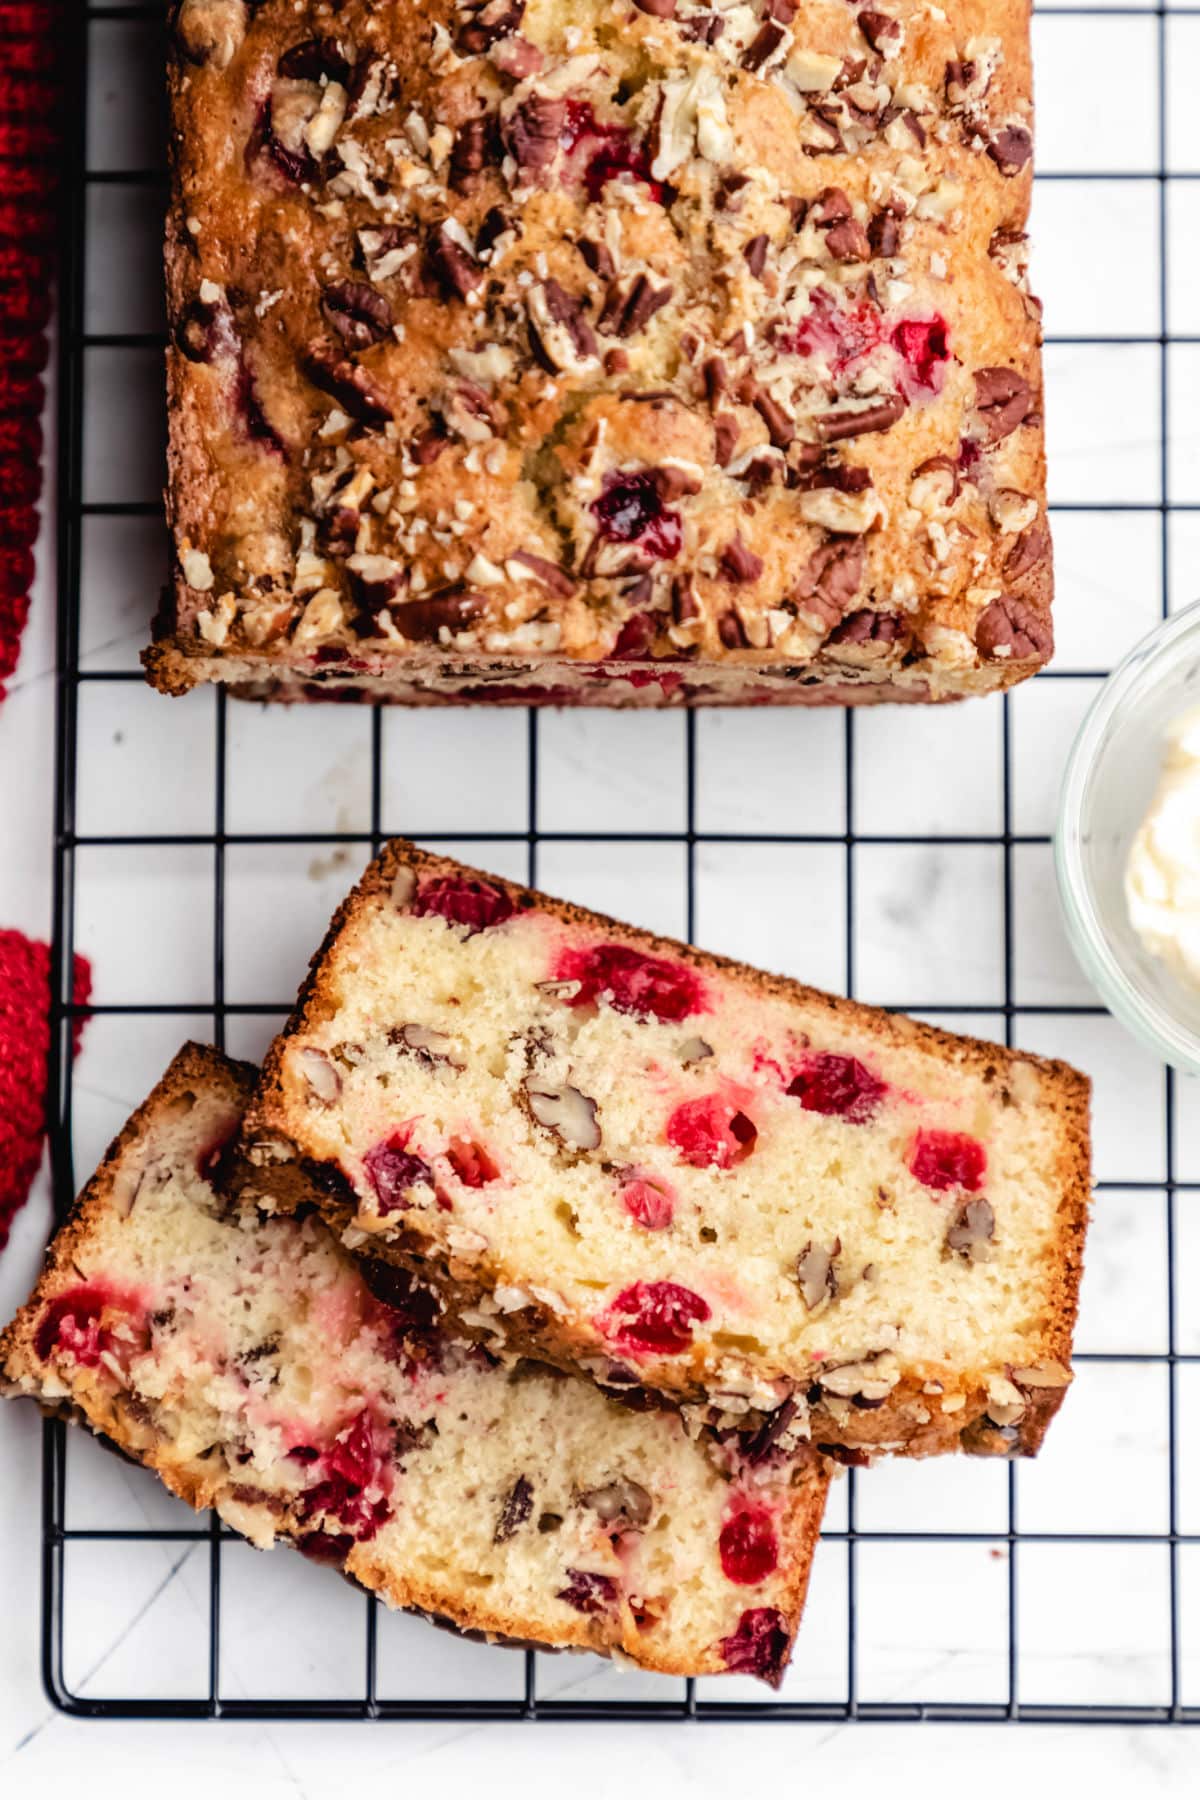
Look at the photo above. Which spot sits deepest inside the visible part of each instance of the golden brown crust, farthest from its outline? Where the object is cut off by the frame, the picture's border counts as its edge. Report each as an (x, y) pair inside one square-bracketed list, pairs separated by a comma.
[(905, 1416), (728, 331)]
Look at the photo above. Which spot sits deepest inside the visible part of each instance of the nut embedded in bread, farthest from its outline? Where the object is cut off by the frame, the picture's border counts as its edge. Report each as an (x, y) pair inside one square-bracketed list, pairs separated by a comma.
[(258, 1369), (621, 353), (676, 1172)]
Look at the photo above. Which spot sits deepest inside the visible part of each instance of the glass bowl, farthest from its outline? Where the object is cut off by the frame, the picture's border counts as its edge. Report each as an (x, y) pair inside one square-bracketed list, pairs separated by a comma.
[(1111, 777)]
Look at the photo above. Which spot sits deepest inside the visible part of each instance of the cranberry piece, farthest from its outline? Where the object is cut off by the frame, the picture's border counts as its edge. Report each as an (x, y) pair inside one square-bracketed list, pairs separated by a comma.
[(655, 1317), (72, 1326), (607, 152), (257, 426), (351, 1490), (838, 1085), (475, 904), (631, 982), (588, 1592), (948, 1159), (924, 346), (649, 1201), (471, 1163), (392, 1170), (842, 334), (749, 1547), (635, 636), (759, 1646), (630, 510), (711, 1133)]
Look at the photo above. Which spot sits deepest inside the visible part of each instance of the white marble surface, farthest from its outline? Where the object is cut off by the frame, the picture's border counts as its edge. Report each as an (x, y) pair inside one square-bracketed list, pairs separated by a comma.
[(1093, 1616)]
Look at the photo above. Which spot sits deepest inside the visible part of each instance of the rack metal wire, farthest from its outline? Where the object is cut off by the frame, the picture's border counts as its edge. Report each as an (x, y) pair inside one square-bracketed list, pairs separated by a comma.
[(75, 508)]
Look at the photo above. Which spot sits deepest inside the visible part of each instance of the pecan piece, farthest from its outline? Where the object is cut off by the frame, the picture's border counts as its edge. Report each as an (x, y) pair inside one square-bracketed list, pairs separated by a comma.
[(755, 253), (1003, 399), (972, 1231), (532, 132), (211, 31), (1030, 549), (472, 150), (559, 334), (454, 266), (346, 382), (848, 242), (556, 580), (657, 9), (770, 36), (1011, 148), (487, 24), (732, 632), (359, 315), (725, 436), (626, 311), (738, 563), (867, 627), (833, 577), (515, 1509), (455, 608), (881, 31), (780, 427), (849, 422), (1010, 630)]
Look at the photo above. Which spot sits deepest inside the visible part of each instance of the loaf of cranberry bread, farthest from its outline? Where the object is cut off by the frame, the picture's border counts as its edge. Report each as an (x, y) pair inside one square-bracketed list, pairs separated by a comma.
[(258, 1369), (626, 352), (675, 1172)]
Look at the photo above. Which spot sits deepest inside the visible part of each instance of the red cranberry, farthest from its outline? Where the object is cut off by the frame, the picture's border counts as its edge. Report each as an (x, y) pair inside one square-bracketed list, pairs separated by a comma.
[(749, 1547), (608, 151), (839, 1085), (71, 1325), (648, 986), (392, 1170), (649, 1201), (630, 510), (355, 1478), (759, 1646), (711, 1133), (924, 346), (655, 1317), (475, 904), (842, 334), (588, 1592), (948, 1159), (471, 1163), (635, 636), (257, 426)]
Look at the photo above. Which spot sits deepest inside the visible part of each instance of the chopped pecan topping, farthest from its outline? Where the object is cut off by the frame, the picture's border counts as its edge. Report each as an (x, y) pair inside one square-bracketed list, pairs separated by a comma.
[(755, 253), (856, 421), (716, 379), (833, 576), (763, 47), (1010, 630), (559, 333), (971, 1233), (486, 24), (1030, 549), (739, 563), (349, 385), (883, 232), (684, 605), (881, 31), (780, 427), (867, 627), (454, 266), (848, 242), (313, 58), (358, 313), (532, 132), (554, 579), (598, 258), (1011, 149), (472, 150), (627, 311), (658, 9), (726, 432), (1003, 399), (732, 632), (455, 608)]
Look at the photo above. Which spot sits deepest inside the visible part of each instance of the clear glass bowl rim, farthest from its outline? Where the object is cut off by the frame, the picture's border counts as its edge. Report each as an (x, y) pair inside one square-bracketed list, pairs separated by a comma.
[(1141, 1013)]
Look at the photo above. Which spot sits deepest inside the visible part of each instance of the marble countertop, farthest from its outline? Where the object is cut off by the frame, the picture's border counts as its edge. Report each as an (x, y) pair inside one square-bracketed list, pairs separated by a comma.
[(1093, 1614)]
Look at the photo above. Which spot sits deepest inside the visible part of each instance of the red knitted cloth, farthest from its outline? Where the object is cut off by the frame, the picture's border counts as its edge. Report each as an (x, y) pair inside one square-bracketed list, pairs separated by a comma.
[(29, 139), (24, 1052)]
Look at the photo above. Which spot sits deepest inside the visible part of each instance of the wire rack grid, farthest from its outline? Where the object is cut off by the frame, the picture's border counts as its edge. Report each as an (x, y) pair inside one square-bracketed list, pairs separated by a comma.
[(868, 853)]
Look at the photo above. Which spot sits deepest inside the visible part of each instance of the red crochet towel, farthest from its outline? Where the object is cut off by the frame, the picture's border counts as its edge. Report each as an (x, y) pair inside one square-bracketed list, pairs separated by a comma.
[(29, 143), (24, 1055)]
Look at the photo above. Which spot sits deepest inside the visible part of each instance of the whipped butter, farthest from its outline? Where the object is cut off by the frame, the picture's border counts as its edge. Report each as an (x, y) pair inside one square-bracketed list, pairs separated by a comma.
[(1162, 875)]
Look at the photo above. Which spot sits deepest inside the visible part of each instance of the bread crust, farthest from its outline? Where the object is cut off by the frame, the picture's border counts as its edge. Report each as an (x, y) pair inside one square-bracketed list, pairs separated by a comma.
[(223, 1086), (271, 1134), (307, 357)]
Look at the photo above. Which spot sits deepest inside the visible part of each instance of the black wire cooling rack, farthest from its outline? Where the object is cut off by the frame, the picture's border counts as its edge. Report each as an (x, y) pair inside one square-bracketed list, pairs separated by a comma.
[(82, 262)]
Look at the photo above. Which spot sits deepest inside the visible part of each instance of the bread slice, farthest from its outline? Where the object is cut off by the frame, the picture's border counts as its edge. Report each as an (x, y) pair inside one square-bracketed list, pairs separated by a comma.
[(671, 1171), (258, 1369)]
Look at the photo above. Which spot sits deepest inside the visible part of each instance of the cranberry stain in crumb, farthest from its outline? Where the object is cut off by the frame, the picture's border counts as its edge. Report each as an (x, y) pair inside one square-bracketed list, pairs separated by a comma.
[(630, 510), (649, 1200), (654, 1318), (608, 151), (759, 1646), (948, 1159), (631, 982), (711, 1133), (394, 1171), (89, 1323)]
